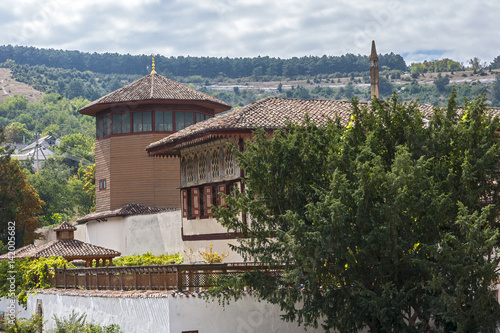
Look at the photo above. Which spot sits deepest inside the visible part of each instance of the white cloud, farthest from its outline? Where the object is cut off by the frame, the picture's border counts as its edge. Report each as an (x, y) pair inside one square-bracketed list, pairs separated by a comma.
[(419, 30)]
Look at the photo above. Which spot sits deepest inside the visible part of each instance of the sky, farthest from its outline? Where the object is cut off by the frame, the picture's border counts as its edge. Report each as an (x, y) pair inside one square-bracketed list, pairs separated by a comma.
[(417, 30)]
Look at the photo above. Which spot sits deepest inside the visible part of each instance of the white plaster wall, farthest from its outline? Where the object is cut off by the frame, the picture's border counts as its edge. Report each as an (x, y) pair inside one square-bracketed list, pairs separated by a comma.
[(48, 235), (155, 233), (81, 232), (169, 314), (132, 314), (109, 234), (5, 306), (243, 316), (202, 226)]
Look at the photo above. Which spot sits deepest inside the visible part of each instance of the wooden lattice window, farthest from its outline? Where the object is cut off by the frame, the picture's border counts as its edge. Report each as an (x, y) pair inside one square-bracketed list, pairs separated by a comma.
[(208, 200), (184, 194), (195, 202), (214, 164), (228, 162), (195, 169), (202, 168), (221, 189)]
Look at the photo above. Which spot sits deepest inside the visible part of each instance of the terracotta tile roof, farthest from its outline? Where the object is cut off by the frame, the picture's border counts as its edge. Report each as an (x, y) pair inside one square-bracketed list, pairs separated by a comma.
[(127, 210), (64, 226), (66, 248), (151, 88), (269, 113)]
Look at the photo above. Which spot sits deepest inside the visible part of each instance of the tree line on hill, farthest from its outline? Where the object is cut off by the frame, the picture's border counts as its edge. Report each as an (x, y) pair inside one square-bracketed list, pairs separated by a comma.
[(208, 67)]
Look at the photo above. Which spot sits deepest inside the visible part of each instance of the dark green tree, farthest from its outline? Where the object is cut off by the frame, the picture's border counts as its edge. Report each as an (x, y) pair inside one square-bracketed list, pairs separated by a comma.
[(380, 224)]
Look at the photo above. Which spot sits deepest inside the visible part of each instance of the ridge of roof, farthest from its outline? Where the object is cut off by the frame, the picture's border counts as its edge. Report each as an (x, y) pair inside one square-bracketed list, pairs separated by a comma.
[(153, 87), (125, 210)]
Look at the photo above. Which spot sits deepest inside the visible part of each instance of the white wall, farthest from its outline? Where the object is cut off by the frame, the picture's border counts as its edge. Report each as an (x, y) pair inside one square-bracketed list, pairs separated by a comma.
[(156, 233), (167, 314)]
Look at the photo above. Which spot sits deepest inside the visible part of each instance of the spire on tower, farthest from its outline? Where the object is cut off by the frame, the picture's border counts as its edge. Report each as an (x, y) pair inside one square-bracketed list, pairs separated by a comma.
[(374, 77), (153, 59)]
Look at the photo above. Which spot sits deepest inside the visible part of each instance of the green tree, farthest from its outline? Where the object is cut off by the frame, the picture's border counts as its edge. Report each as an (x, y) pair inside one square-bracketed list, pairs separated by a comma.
[(19, 201), (18, 132), (442, 82), (495, 91), (378, 224)]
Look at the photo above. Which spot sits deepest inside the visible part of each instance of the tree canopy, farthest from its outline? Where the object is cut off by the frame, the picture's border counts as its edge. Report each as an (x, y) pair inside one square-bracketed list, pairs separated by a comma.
[(387, 222)]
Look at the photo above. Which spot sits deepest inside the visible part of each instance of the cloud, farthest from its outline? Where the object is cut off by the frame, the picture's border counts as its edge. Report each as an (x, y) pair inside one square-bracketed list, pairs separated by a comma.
[(241, 28)]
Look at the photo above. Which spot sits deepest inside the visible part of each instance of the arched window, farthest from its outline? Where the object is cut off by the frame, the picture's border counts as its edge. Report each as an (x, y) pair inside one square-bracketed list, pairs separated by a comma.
[(202, 167), (183, 171), (228, 162), (215, 167), (190, 170), (195, 169)]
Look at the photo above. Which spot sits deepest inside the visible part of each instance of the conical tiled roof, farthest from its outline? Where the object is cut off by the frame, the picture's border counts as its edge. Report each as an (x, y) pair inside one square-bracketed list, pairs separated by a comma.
[(154, 88)]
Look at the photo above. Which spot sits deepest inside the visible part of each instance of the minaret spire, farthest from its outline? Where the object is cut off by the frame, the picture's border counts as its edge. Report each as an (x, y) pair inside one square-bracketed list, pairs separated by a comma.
[(374, 76), (153, 59)]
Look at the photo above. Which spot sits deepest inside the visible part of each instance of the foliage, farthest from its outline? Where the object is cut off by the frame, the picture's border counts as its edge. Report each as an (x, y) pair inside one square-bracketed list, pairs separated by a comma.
[(206, 67), (23, 325), (378, 224), (30, 275), (209, 257), (148, 259), (20, 201), (88, 178), (76, 323)]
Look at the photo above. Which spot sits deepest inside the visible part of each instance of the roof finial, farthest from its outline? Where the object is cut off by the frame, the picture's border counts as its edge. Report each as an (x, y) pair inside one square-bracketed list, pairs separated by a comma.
[(153, 57)]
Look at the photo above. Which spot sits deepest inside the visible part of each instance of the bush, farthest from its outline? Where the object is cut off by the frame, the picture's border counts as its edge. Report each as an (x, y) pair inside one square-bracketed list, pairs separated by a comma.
[(149, 259), (23, 325), (30, 275), (75, 323)]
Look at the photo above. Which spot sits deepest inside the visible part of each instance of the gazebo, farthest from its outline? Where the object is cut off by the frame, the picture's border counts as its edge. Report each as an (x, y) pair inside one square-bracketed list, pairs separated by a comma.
[(67, 247)]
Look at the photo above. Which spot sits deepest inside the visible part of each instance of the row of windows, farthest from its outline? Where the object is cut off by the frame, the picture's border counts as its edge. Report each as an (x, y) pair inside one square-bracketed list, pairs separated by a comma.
[(197, 202), (208, 166), (136, 122)]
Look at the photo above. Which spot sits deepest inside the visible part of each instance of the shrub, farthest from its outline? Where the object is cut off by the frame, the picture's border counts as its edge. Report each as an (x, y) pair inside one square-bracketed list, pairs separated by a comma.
[(149, 259), (23, 325), (75, 323), (30, 275)]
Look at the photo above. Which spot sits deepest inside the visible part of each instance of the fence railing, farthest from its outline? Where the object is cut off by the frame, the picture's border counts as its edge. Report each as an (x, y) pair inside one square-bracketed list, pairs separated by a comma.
[(158, 277)]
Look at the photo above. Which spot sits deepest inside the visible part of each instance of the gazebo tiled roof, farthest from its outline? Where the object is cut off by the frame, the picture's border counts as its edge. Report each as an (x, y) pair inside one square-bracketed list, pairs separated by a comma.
[(154, 89), (126, 210), (65, 246), (64, 226)]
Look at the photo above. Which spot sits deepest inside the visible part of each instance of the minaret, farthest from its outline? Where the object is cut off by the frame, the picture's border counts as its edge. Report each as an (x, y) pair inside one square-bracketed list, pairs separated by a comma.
[(374, 78)]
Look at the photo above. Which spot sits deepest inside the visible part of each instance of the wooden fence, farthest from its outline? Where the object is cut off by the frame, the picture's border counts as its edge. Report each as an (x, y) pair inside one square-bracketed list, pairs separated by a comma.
[(158, 277)]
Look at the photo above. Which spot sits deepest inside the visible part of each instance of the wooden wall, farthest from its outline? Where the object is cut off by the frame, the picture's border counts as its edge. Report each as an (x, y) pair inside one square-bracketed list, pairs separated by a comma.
[(133, 176), (102, 171)]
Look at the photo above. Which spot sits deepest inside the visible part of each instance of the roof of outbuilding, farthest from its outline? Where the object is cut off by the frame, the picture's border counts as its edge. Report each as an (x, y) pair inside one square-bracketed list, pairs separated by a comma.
[(127, 210), (65, 248), (269, 114), (154, 88)]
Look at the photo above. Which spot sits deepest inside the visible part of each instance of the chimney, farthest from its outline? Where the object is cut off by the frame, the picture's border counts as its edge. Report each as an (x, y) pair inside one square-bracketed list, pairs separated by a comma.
[(374, 77)]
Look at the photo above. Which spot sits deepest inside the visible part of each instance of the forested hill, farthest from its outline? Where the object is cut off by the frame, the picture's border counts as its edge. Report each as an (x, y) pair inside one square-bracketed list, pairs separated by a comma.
[(207, 67)]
